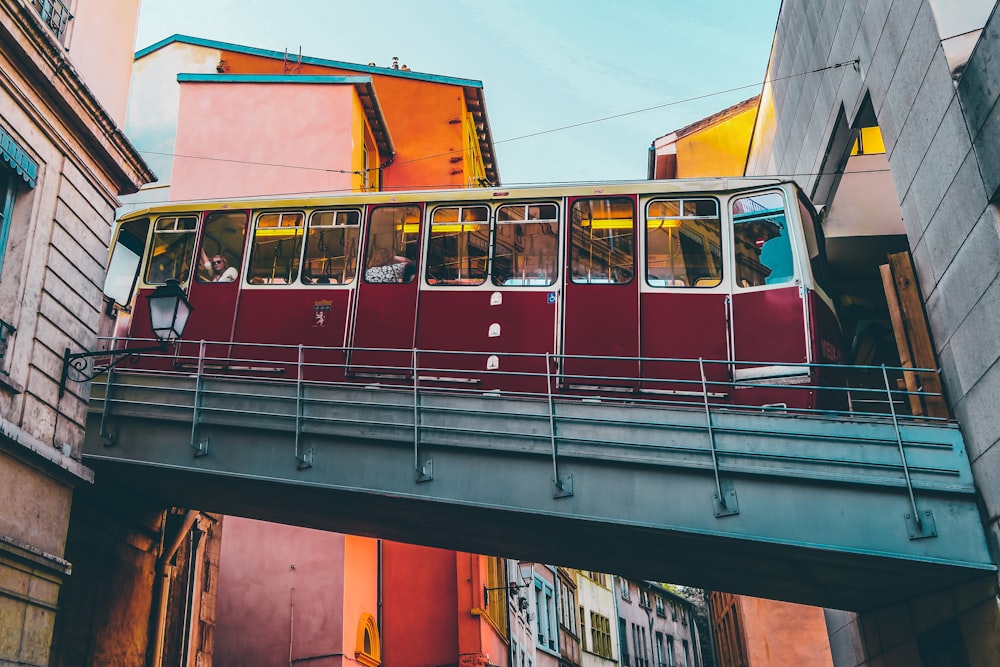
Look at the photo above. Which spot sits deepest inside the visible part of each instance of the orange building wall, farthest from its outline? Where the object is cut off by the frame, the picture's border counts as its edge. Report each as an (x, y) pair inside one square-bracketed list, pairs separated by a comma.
[(272, 138), (717, 150), (360, 582), (419, 606), (782, 634), (424, 119)]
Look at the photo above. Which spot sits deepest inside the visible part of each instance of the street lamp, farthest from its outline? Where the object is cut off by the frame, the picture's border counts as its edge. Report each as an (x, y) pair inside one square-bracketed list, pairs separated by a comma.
[(169, 311)]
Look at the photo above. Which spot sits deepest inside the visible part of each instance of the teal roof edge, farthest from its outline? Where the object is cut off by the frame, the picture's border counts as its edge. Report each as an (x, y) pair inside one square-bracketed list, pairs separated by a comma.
[(270, 78), (278, 55)]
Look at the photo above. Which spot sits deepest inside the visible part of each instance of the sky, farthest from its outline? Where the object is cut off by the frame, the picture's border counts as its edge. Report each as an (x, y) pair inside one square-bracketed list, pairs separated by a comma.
[(551, 69)]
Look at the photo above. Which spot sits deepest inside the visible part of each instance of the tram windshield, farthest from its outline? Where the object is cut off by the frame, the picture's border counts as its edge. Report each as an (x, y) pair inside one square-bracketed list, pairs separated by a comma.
[(762, 244)]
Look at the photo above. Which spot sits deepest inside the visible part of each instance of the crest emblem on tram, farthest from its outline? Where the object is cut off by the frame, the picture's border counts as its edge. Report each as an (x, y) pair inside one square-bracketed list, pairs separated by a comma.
[(321, 311)]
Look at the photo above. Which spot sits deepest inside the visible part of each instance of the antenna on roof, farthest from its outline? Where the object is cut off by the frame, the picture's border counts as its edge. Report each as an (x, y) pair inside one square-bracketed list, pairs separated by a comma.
[(293, 66)]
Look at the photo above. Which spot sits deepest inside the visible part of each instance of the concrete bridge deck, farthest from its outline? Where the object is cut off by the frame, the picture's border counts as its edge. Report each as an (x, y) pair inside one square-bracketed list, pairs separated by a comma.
[(813, 509)]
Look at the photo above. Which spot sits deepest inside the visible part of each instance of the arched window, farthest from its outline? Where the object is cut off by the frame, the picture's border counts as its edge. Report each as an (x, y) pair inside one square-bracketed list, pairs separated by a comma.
[(369, 649)]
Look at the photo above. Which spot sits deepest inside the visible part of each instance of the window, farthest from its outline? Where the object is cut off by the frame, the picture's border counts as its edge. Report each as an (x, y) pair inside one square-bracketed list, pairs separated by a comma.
[(368, 650), (277, 244), (393, 239), (123, 268), (623, 587), (458, 245), (762, 246), (526, 247), (600, 636), (567, 607), (602, 237), (545, 615), (670, 652), (686, 654), (673, 610), (659, 650), (683, 243), (56, 16), (222, 247), (644, 599), (869, 142), (15, 167), (173, 243), (583, 628), (332, 247), (496, 607), (597, 577), (623, 641), (660, 611)]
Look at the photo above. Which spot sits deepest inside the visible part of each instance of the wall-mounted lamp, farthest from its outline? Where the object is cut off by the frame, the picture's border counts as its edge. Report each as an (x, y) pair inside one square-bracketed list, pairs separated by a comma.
[(169, 311), (525, 569)]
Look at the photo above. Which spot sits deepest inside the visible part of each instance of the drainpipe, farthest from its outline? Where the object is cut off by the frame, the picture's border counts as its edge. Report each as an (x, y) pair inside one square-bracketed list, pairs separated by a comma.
[(378, 593), (192, 568), (161, 588)]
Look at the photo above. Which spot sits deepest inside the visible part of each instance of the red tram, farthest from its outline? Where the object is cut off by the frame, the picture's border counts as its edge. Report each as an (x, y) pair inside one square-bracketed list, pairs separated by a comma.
[(613, 288)]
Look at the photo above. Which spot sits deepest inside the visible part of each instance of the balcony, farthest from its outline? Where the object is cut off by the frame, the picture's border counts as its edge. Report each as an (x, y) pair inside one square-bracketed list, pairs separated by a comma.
[(56, 15)]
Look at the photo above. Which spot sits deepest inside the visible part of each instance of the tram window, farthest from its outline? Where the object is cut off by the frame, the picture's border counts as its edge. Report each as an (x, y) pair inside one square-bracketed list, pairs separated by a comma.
[(332, 247), (683, 243), (277, 242), (393, 240), (603, 241), (526, 245), (173, 243), (123, 269), (458, 245), (815, 244), (761, 242), (222, 247)]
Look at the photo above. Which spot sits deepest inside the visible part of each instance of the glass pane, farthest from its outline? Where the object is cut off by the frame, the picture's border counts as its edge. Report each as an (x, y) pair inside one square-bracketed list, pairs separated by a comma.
[(526, 253), (332, 247), (683, 250), (458, 246), (123, 268), (762, 246), (393, 242), (603, 241), (222, 247), (277, 243), (173, 245)]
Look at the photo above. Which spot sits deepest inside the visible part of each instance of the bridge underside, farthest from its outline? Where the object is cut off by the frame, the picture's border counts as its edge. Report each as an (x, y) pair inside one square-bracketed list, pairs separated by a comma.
[(817, 510)]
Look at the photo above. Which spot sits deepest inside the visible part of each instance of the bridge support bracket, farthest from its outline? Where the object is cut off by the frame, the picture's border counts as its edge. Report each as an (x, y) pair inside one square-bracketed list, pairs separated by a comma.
[(922, 528), (726, 505), (200, 447), (425, 473), (563, 488), (304, 459)]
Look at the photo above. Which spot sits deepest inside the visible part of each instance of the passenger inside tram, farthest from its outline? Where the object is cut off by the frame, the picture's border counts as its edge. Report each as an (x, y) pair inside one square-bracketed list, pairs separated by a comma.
[(384, 267)]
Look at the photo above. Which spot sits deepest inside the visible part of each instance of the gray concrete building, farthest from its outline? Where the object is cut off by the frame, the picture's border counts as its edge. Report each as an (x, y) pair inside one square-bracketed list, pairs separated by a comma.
[(924, 72)]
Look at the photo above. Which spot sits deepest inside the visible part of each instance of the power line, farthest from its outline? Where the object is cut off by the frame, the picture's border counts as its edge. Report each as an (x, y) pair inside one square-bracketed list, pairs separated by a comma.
[(523, 136)]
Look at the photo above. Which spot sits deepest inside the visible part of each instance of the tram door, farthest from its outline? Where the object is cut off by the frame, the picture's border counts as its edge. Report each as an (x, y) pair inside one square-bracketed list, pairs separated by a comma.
[(768, 318), (600, 337), (684, 301), (214, 288), (386, 309)]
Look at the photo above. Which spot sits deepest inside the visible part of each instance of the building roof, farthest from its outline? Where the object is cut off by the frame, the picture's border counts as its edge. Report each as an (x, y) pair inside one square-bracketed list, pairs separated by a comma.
[(362, 84), (474, 96), (708, 121)]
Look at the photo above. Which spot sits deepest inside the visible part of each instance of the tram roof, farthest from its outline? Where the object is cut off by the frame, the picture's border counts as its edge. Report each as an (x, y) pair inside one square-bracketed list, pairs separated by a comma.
[(516, 193)]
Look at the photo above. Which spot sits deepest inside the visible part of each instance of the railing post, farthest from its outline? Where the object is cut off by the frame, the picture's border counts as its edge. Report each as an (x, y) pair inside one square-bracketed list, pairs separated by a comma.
[(424, 469), (724, 502), (918, 525), (108, 439), (562, 488), (304, 458), (200, 446)]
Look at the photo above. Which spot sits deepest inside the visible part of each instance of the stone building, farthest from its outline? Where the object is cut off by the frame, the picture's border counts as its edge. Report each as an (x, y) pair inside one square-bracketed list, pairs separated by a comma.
[(64, 163)]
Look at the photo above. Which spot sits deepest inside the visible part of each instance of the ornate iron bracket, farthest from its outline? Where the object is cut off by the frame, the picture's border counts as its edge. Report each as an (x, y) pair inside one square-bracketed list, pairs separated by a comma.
[(78, 363)]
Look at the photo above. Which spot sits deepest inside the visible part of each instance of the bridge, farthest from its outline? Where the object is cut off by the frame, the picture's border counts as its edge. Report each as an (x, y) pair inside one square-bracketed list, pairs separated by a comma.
[(845, 510)]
